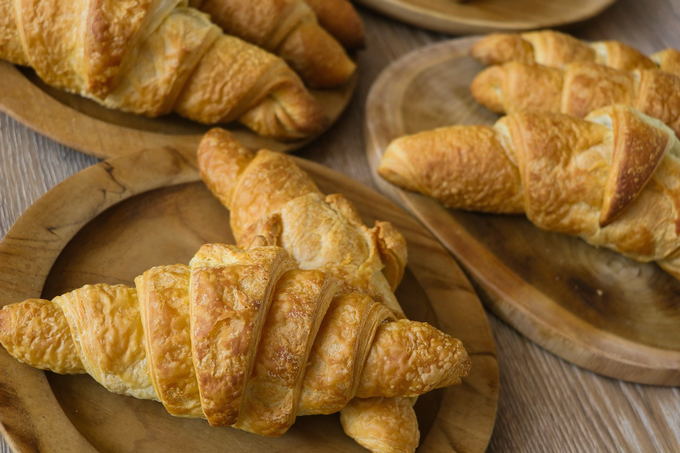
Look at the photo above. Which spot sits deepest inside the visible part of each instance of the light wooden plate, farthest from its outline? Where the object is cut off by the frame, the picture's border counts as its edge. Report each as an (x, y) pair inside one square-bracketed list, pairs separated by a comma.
[(93, 129), (483, 16), (112, 221), (590, 306)]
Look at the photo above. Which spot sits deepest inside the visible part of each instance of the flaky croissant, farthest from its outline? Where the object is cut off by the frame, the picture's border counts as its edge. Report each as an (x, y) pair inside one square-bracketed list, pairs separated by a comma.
[(240, 338), (154, 57), (578, 89), (270, 197), (288, 28), (555, 49), (341, 20), (611, 179)]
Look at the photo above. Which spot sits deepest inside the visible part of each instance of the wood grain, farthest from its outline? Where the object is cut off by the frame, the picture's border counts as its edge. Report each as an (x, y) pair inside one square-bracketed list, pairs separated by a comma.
[(547, 404), (93, 129), (595, 308), (483, 16), (116, 219)]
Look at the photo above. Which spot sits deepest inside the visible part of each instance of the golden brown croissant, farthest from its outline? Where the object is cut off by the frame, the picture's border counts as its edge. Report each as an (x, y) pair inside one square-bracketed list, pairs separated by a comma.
[(341, 20), (154, 57), (578, 89), (611, 179), (288, 28), (270, 197), (555, 49), (240, 338)]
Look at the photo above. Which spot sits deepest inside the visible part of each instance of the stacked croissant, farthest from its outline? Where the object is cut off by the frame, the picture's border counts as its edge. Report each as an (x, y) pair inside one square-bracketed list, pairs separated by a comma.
[(154, 57), (300, 318), (589, 147)]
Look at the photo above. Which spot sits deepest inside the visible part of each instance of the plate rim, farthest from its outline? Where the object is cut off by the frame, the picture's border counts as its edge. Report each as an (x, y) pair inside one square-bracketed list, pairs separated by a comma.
[(148, 170), (649, 364), (435, 21)]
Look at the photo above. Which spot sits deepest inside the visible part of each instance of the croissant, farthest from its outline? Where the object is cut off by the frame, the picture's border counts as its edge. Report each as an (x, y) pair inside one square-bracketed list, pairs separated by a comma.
[(555, 49), (155, 57), (288, 28), (240, 337), (578, 89), (341, 20), (611, 178), (272, 199)]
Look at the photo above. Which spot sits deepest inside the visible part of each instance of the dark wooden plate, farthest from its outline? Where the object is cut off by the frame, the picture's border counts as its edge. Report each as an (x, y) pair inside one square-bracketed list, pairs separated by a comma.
[(112, 221), (93, 129), (590, 306)]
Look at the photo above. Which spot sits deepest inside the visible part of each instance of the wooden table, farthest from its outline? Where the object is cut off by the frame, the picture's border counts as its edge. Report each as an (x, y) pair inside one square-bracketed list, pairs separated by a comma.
[(546, 403)]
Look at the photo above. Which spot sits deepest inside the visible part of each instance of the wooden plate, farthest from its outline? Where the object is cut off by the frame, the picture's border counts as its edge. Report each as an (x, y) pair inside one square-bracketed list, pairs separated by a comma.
[(93, 129), (590, 306), (112, 221), (483, 16)]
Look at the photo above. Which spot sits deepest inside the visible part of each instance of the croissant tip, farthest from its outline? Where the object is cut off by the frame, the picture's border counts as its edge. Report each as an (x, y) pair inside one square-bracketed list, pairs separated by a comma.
[(5, 328)]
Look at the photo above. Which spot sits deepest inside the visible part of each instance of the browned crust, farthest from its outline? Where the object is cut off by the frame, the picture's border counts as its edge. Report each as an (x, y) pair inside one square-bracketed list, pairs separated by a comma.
[(393, 252), (112, 26), (221, 160), (272, 393), (228, 304), (341, 20), (338, 354), (557, 49), (659, 96), (624, 57), (668, 60), (163, 294), (502, 47), (382, 424), (637, 152), (590, 86), (288, 28), (437, 163)]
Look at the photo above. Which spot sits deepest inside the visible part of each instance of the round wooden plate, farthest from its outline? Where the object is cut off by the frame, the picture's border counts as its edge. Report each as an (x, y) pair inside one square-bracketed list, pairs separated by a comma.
[(112, 221), (484, 16), (590, 306), (93, 129)]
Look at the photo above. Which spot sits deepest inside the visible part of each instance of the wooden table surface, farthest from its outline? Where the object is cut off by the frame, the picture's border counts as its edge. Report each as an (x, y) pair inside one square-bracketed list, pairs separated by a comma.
[(546, 404)]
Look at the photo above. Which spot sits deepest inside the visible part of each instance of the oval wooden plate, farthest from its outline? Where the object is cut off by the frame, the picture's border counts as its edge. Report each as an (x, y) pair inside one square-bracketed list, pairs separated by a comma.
[(112, 221), (93, 129), (590, 306), (483, 16)]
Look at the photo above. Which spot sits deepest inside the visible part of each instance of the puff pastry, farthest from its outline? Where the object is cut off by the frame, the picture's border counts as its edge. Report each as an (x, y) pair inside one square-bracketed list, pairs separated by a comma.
[(288, 28), (555, 49), (239, 337), (154, 57), (611, 178), (272, 199), (578, 89)]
